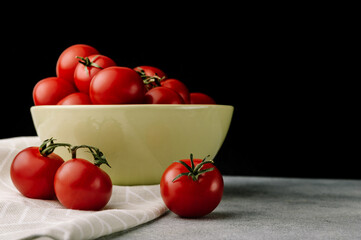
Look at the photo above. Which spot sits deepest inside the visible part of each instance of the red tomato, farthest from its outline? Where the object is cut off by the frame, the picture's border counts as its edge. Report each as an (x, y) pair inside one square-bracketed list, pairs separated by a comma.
[(163, 95), (201, 98), (33, 174), (191, 197), (50, 91), (151, 76), (67, 60), (79, 184), (116, 85), (150, 71), (177, 86), (87, 68), (77, 98)]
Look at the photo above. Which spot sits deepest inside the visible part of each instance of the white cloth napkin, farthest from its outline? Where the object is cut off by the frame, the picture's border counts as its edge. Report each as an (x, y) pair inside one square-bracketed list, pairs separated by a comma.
[(22, 217)]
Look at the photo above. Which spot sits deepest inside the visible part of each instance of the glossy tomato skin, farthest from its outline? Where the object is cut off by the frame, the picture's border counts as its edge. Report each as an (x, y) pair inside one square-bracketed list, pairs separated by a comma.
[(151, 71), (117, 85), (77, 98), (84, 74), (67, 60), (201, 98), (177, 86), (81, 185), (51, 90), (188, 198), (33, 174), (162, 95)]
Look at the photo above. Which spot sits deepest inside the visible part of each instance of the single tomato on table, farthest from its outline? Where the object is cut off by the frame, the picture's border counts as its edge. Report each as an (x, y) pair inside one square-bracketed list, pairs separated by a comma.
[(192, 187), (80, 184), (33, 169)]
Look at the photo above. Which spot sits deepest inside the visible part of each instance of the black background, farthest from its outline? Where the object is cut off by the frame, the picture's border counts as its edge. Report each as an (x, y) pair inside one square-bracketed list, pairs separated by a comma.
[(295, 105)]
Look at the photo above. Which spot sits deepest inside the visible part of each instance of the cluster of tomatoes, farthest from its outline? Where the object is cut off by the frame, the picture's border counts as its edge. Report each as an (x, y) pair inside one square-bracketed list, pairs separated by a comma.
[(84, 76), (37, 172), (189, 187)]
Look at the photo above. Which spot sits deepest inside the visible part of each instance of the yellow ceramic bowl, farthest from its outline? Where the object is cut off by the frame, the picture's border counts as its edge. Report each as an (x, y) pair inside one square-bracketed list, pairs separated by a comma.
[(139, 141)]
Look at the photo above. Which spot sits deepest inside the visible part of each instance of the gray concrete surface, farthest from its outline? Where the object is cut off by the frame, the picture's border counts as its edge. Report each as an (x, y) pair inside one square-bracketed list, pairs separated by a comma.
[(268, 208)]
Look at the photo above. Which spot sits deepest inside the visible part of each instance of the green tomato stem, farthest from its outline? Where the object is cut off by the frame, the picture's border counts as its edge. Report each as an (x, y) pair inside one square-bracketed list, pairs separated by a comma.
[(98, 156), (149, 81), (194, 171), (48, 147), (87, 63)]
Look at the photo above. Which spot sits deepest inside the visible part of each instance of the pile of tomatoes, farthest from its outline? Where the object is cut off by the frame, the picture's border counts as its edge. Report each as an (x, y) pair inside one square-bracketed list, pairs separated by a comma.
[(84, 76)]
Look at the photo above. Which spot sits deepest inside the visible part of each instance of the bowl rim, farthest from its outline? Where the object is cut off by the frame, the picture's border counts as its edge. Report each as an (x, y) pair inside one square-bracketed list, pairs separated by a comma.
[(120, 106)]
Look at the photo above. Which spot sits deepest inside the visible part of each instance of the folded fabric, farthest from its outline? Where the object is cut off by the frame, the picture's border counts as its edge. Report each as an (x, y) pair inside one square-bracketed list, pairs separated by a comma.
[(22, 217)]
